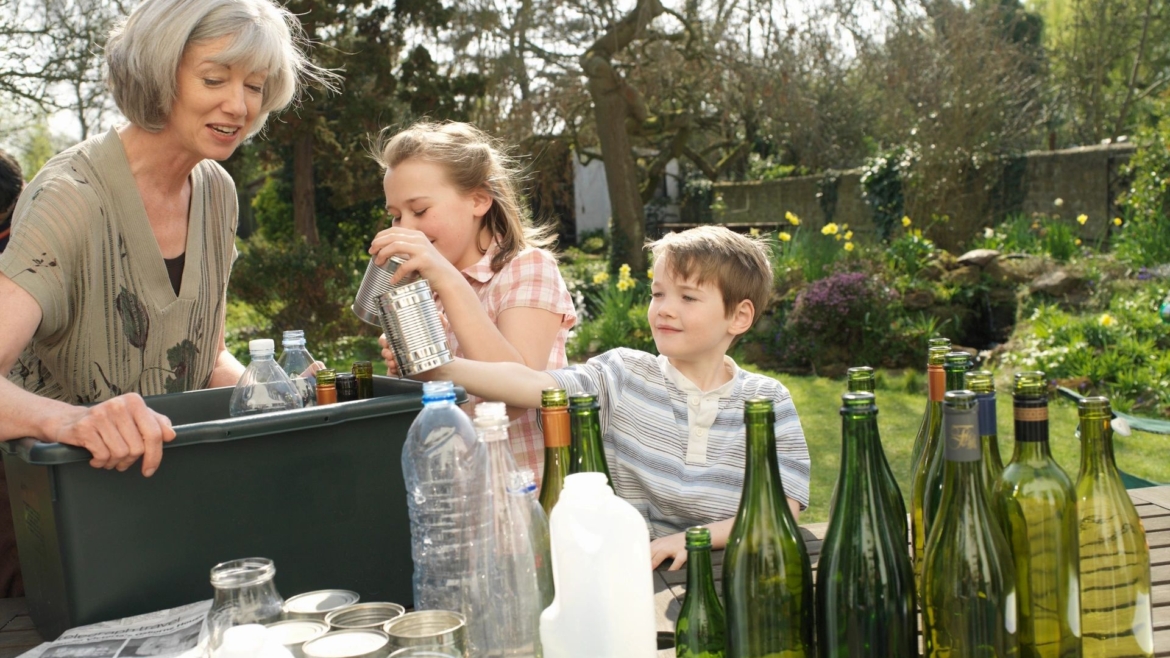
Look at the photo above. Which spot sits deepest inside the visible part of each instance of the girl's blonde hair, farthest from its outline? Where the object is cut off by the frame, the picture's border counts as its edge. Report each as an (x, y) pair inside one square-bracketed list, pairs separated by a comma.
[(473, 162)]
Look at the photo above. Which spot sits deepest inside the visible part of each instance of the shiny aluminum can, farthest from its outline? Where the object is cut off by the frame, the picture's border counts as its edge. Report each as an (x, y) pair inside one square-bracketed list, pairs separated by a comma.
[(363, 643), (293, 633), (430, 629), (413, 328), (426, 652), (375, 282), (364, 615), (315, 605)]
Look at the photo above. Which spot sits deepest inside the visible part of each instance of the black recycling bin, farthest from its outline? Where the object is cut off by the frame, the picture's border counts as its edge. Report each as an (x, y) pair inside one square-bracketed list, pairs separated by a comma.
[(318, 490)]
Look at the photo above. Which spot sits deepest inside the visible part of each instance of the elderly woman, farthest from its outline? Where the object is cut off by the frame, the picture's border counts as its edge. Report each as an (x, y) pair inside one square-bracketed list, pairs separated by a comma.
[(113, 284)]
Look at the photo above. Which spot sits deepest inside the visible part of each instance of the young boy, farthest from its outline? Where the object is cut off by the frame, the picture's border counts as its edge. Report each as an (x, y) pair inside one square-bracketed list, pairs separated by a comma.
[(673, 424)]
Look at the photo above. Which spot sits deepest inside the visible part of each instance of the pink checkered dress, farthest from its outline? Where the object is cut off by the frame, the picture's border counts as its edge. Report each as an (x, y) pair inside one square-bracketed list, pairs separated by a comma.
[(532, 280)]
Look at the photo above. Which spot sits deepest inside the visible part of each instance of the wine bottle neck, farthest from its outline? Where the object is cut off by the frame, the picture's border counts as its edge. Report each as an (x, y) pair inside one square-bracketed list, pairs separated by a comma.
[(859, 434), (936, 382), (762, 473), (557, 430), (699, 572), (1096, 445), (1030, 419)]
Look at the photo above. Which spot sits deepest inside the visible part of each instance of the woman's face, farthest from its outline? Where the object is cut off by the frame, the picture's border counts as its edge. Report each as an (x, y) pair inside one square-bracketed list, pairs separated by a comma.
[(216, 104)]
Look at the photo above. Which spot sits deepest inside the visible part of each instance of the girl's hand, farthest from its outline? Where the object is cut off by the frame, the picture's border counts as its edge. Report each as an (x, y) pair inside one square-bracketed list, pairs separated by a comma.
[(422, 256), (388, 357), (671, 546)]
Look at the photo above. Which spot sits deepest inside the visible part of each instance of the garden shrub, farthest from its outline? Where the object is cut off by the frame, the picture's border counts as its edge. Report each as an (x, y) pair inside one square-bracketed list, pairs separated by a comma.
[(843, 319), (883, 189), (617, 319), (295, 285)]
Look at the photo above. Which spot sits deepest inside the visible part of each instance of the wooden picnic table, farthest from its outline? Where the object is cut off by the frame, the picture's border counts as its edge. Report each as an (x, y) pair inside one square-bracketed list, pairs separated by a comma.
[(17, 634)]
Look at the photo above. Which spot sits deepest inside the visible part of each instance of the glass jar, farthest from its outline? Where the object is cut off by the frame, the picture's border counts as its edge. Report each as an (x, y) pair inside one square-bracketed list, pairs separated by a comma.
[(245, 593)]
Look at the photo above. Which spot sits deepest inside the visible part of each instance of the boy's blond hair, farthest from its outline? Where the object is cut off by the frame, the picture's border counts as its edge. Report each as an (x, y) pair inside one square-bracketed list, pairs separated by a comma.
[(737, 264)]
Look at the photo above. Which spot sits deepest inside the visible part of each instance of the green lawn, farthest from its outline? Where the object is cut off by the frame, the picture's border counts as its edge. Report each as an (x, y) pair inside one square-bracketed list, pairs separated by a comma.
[(818, 400)]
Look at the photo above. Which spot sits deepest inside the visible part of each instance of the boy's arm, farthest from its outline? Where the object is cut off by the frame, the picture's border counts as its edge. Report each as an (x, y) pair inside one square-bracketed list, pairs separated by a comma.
[(675, 546), (514, 384)]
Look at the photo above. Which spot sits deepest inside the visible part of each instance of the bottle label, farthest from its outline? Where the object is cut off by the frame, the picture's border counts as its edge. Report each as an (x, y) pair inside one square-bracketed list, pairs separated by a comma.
[(937, 382), (556, 428), (1031, 418), (987, 416), (961, 429)]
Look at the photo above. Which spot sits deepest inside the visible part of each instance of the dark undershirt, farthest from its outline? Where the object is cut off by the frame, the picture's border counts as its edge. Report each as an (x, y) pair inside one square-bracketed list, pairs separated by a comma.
[(175, 270)]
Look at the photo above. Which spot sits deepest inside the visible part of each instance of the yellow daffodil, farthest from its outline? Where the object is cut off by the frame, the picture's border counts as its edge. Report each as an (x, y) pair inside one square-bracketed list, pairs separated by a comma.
[(792, 219), (1081, 219), (754, 232), (624, 271), (601, 277), (848, 235), (1117, 221), (1106, 320), (838, 236), (650, 273), (1078, 242), (906, 221), (848, 246), (625, 284), (829, 229), (783, 236)]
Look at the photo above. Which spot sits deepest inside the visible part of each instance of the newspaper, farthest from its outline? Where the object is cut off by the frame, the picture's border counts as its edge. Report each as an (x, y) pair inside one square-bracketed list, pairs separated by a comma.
[(170, 633)]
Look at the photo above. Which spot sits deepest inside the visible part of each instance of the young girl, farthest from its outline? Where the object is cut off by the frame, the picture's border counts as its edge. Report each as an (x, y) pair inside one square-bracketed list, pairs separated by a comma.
[(459, 220)]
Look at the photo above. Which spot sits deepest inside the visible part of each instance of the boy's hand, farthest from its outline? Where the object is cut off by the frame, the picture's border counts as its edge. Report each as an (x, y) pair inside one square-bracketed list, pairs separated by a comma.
[(672, 546)]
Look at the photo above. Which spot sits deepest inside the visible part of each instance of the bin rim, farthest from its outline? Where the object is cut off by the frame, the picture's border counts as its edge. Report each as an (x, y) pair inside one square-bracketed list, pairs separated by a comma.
[(40, 453)]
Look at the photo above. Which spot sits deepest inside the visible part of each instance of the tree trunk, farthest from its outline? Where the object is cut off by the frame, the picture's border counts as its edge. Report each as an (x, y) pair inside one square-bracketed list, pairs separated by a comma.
[(611, 107), (304, 190)]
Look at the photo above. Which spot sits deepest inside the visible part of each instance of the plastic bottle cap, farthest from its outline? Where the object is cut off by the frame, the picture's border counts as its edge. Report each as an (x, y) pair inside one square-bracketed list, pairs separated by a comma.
[(487, 410), (261, 345)]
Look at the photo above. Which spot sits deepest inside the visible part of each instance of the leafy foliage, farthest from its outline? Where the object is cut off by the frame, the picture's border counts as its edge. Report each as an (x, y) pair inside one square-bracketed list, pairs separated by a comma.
[(1145, 239), (881, 184), (618, 318)]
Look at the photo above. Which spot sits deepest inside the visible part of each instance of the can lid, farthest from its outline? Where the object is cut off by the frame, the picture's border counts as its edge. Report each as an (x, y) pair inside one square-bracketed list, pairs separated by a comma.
[(261, 345), (320, 601), (297, 631), (345, 644)]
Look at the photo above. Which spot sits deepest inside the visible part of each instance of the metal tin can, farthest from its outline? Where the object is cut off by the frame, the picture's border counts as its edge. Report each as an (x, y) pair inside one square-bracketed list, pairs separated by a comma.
[(413, 329), (430, 629), (364, 615), (375, 282), (293, 633), (315, 605), (363, 643)]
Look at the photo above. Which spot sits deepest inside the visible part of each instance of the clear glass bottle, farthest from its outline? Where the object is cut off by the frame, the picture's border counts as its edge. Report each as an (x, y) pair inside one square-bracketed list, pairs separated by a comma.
[(767, 577), (263, 387), (505, 598), (701, 628), (1116, 616), (937, 349), (522, 483), (865, 581), (1038, 511), (554, 418), (968, 581), (299, 365), (983, 383), (438, 462), (245, 593)]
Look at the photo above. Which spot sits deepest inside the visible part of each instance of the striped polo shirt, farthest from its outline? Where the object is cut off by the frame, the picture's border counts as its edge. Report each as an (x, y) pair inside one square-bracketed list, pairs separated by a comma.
[(677, 453)]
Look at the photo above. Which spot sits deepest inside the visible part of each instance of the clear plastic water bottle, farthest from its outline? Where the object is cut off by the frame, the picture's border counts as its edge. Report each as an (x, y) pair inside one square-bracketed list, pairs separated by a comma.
[(505, 602), (438, 466), (263, 387), (299, 365), (523, 483)]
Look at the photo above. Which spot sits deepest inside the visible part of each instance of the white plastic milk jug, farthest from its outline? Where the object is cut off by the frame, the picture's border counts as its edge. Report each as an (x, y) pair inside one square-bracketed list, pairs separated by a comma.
[(604, 603)]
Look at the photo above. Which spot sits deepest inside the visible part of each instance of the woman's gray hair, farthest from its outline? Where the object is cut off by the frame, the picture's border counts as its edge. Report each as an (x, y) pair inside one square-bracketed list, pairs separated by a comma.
[(143, 53)]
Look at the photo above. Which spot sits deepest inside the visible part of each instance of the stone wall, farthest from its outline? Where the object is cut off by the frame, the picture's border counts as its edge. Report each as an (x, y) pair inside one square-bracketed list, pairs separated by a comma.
[(1085, 179)]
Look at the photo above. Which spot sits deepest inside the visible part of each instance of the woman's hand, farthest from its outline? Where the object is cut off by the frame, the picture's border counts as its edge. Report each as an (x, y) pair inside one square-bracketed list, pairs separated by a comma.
[(422, 257), (117, 432), (671, 546)]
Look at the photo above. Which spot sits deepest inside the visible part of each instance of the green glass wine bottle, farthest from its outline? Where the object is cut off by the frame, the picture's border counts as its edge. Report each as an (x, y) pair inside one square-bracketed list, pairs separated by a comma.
[(701, 628), (968, 582), (983, 383), (1037, 509), (937, 349), (554, 418), (1116, 618), (865, 581), (767, 578), (586, 452), (861, 380), (928, 472)]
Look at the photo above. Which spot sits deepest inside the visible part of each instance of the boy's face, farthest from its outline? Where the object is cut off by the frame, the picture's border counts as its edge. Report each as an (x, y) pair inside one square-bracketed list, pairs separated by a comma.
[(688, 320)]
